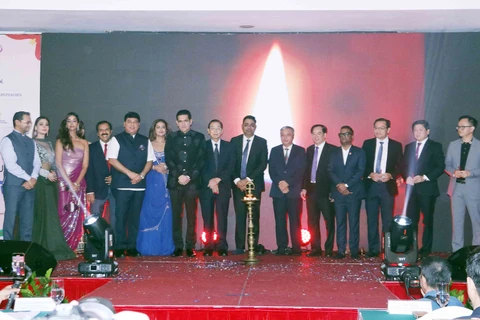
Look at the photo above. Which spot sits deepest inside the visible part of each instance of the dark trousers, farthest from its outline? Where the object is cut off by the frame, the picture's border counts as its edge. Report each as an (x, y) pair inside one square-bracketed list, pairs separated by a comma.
[(98, 207), (209, 202), (425, 204), (241, 218), (180, 196), (315, 207), (128, 205), (350, 206), (293, 207), (18, 201), (377, 199)]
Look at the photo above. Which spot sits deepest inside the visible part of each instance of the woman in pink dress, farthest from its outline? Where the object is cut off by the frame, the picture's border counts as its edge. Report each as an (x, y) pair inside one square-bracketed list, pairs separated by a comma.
[(71, 158)]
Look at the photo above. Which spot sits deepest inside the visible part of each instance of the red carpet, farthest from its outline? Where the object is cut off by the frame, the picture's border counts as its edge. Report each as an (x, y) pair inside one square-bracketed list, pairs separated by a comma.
[(278, 287)]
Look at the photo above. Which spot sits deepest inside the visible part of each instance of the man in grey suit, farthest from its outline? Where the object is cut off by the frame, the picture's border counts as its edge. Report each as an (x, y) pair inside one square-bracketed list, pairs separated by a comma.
[(463, 165), (22, 165)]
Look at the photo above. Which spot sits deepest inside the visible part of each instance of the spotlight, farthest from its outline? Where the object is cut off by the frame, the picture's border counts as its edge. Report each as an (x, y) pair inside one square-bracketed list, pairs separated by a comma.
[(306, 237), (98, 249), (401, 253), (204, 237)]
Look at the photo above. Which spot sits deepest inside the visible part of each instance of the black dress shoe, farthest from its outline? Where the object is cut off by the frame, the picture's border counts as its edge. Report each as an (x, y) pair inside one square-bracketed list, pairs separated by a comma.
[(280, 252), (259, 250), (177, 253), (339, 256), (119, 253), (191, 253), (328, 253), (371, 254), (295, 253), (206, 252), (222, 253), (355, 256), (133, 253), (315, 253)]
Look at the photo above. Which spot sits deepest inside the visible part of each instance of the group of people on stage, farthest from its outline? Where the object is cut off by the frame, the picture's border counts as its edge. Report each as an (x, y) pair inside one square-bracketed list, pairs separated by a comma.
[(148, 182)]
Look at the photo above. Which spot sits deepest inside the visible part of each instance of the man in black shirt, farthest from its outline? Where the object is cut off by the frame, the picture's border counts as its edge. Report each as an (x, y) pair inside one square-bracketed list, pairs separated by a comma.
[(185, 157)]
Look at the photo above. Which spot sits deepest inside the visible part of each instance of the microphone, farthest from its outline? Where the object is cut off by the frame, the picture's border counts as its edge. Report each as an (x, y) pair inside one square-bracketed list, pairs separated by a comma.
[(11, 298)]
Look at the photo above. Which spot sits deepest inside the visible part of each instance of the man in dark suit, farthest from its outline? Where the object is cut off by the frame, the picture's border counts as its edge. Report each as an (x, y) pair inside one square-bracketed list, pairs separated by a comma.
[(185, 158), (131, 156), (251, 161), (423, 163), (99, 176), (316, 191), (216, 187), (383, 161), (286, 167), (346, 168)]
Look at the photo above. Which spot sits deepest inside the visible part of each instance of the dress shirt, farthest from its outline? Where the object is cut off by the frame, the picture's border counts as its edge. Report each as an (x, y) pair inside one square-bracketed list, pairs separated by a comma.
[(216, 143), (383, 164), (345, 154), (421, 146), (420, 149), (244, 144), (112, 153), (10, 160), (319, 152)]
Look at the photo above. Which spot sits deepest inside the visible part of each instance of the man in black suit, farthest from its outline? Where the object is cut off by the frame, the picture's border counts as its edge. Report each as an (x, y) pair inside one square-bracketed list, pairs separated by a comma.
[(216, 187), (423, 163), (316, 191), (383, 161), (346, 168), (251, 161), (286, 167), (99, 176), (131, 156), (185, 158)]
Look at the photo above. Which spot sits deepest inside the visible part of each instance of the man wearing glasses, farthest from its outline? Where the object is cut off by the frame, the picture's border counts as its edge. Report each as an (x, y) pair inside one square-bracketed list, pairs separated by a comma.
[(22, 165), (383, 161), (463, 166), (346, 168)]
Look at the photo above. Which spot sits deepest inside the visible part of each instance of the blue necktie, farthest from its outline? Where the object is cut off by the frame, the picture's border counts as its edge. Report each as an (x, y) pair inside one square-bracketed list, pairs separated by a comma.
[(243, 168), (313, 174), (378, 164)]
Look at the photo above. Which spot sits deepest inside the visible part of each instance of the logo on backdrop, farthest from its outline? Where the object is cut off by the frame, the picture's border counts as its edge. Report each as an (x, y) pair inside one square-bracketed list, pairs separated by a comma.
[(1, 48)]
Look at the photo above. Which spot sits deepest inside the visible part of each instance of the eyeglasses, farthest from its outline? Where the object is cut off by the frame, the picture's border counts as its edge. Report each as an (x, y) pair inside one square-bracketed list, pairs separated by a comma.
[(345, 134), (462, 127)]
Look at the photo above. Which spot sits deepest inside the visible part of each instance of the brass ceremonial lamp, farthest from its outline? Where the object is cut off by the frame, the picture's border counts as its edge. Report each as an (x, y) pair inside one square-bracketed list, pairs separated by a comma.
[(250, 200)]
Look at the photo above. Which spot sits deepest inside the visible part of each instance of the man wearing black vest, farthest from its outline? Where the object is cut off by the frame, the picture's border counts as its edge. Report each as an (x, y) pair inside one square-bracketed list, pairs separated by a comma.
[(22, 165), (185, 152), (131, 156)]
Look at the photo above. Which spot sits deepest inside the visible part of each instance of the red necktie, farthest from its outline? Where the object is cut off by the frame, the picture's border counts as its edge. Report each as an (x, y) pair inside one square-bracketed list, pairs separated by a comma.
[(417, 151), (105, 155)]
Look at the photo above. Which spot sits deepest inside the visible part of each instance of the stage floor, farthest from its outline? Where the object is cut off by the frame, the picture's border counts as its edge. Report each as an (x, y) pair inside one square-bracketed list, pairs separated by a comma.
[(276, 281)]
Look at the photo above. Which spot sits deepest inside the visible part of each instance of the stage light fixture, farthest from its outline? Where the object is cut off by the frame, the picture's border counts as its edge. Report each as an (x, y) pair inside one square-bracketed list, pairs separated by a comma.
[(401, 253), (98, 249), (204, 237), (306, 237)]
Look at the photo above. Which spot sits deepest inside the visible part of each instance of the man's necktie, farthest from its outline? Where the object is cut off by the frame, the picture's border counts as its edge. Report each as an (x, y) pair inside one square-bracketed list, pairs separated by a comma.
[(286, 155), (105, 155), (378, 164), (313, 174), (243, 168), (417, 155), (215, 157)]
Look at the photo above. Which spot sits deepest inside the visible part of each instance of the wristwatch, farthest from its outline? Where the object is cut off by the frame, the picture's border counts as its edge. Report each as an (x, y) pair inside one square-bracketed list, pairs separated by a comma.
[(142, 176)]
